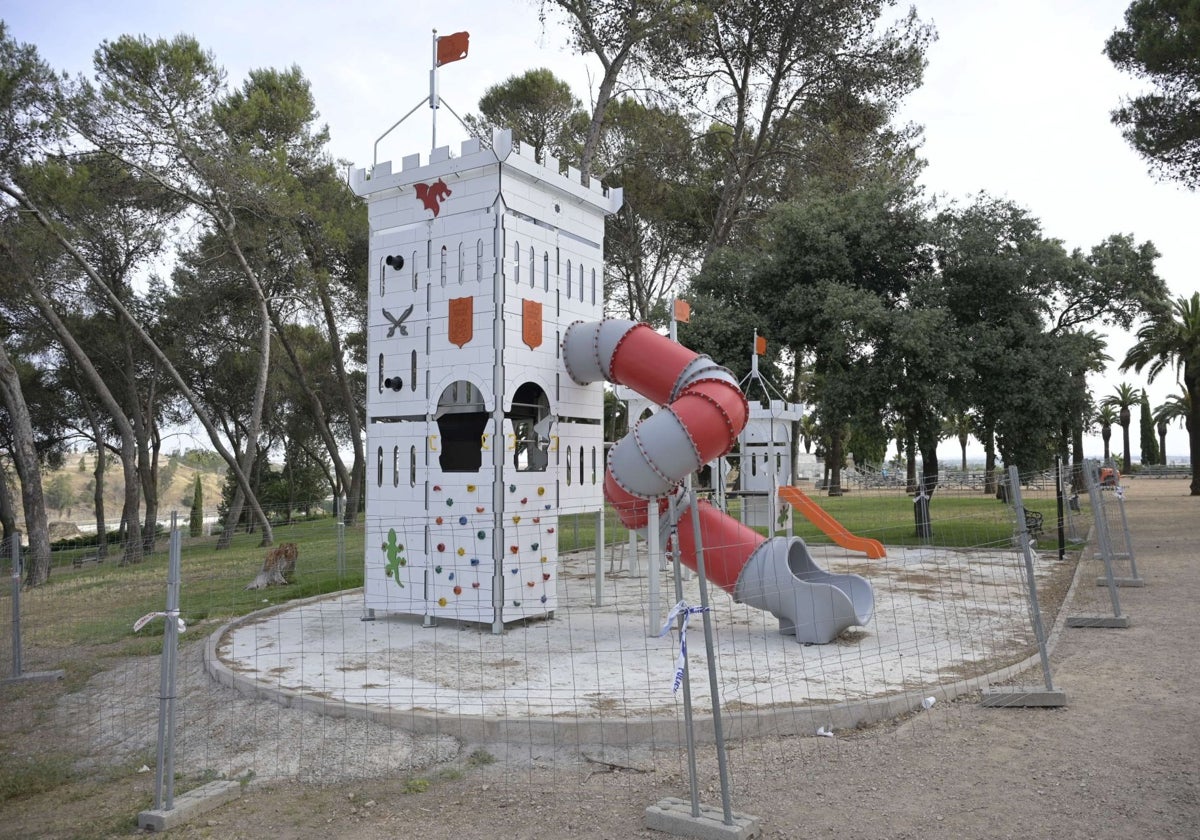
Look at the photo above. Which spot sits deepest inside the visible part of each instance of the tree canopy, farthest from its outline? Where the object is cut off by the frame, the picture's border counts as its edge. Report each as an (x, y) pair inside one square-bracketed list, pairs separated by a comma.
[(1160, 43)]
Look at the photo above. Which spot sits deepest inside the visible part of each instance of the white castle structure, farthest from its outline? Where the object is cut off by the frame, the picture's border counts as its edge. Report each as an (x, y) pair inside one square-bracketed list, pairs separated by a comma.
[(477, 438)]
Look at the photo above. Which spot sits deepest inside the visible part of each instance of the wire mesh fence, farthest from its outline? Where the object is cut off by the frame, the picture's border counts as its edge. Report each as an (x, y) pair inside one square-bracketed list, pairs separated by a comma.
[(305, 681)]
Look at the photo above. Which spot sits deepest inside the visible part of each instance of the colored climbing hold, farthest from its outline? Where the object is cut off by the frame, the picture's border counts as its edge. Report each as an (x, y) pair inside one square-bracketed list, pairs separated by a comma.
[(513, 549), (530, 584), (441, 546), (481, 535), (479, 509), (450, 576), (516, 519), (437, 488), (437, 569), (541, 491), (462, 520), (525, 500), (516, 603), (438, 520), (549, 530), (474, 561), (458, 590), (470, 488), (475, 585), (545, 576), (461, 551), (441, 602), (535, 546), (537, 519), (514, 570), (544, 559), (512, 488), (547, 507), (543, 599), (449, 503)]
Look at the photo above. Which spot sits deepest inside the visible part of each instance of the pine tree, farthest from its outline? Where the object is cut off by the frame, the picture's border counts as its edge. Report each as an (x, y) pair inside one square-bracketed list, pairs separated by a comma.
[(196, 522), (1149, 439)]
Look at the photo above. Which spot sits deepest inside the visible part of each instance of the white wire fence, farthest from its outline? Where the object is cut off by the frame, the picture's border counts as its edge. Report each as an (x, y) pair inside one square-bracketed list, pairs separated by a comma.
[(303, 681)]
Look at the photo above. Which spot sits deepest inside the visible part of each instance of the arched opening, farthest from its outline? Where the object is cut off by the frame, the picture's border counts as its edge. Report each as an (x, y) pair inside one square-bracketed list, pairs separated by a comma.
[(531, 422), (461, 418)]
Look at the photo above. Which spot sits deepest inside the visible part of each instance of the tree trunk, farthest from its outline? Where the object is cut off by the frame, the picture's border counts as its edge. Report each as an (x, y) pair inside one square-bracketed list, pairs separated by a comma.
[(252, 433), (1106, 436), (8, 516), (155, 350), (1161, 428), (989, 463), (150, 531), (836, 458), (358, 469), (1192, 421), (1127, 465), (132, 536), (25, 460), (910, 465), (97, 475)]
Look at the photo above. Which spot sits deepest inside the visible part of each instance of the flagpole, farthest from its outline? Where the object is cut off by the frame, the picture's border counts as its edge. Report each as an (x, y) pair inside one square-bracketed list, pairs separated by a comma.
[(434, 96)]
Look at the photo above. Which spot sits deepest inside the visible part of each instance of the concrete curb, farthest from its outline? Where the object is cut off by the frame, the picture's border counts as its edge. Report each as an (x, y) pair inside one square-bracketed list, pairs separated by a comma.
[(615, 732)]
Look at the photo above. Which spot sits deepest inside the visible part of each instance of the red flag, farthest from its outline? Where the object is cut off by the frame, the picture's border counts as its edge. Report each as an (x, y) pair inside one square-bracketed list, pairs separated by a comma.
[(452, 47), (760, 345)]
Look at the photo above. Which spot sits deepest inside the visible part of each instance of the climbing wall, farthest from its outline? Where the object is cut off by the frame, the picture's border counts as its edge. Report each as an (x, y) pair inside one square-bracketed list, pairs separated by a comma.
[(477, 438)]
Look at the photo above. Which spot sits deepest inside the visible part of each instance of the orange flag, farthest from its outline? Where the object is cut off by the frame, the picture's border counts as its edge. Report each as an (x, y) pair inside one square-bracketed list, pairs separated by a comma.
[(452, 47), (683, 310), (760, 345)]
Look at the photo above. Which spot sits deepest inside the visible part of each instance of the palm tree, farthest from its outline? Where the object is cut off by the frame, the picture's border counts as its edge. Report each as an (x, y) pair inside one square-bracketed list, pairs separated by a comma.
[(1123, 400), (958, 425), (809, 431), (1107, 418), (1175, 407), (1172, 339)]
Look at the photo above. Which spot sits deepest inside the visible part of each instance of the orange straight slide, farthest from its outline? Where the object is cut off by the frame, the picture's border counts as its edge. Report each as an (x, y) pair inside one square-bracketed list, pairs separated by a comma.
[(833, 529)]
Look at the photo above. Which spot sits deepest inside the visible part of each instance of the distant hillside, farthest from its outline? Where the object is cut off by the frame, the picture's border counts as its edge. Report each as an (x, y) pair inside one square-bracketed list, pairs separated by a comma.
[(69, 490)]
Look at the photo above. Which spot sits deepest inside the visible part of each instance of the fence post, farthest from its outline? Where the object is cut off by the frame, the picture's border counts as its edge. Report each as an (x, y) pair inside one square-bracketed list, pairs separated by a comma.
[(18, 666), (164, 770), (1100, 525), (675, 816), (1134, 579), (339, 506), (1048, 696), (16, 604), (169, 812)]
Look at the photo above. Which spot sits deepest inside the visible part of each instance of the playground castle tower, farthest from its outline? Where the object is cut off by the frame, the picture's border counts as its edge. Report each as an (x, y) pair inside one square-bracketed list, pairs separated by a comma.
[(476, 437)]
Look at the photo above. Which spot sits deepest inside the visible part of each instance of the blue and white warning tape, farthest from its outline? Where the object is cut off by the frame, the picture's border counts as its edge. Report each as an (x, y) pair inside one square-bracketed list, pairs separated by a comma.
[(687, 611)]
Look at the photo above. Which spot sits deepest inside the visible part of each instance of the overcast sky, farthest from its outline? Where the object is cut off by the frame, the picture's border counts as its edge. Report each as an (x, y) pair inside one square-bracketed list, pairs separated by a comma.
[(1015, 102)]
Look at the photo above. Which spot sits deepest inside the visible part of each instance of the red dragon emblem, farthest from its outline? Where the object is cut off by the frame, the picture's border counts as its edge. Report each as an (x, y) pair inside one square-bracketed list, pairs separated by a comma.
[(432, 195)]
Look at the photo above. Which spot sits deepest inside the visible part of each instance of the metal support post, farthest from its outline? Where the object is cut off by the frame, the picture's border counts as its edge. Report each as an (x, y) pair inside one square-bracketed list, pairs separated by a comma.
[(598, 600), (1048, 696), (1117, 619), (19, 674), (653, 565)]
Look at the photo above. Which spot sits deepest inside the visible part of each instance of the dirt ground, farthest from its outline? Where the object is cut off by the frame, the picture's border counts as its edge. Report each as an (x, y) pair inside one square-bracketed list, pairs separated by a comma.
[(1119, 761)]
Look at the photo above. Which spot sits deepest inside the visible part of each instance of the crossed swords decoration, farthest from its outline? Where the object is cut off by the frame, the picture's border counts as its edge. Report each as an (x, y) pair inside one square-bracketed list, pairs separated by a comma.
[(398, 323)]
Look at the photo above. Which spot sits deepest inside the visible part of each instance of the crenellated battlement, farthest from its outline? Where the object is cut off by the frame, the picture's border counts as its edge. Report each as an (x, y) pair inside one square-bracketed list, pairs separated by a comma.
[(472, 156)]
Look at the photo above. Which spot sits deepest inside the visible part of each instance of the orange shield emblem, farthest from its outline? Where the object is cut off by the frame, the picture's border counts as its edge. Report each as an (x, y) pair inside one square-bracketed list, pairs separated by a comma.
[(531, 323), (462, 320)]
